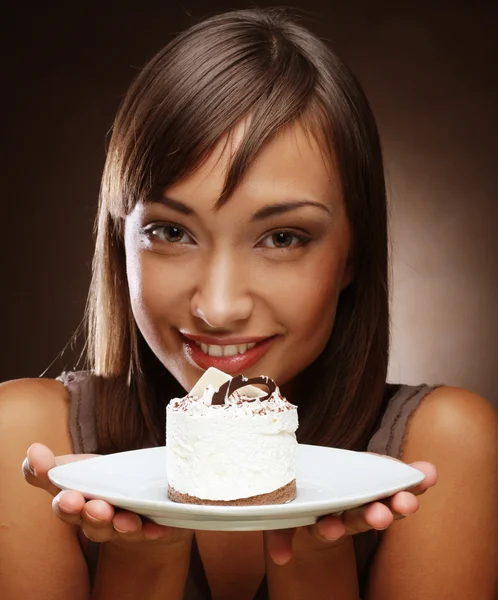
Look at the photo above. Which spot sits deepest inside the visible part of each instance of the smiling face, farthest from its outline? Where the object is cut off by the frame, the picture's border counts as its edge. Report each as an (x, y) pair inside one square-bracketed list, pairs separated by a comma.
[(250, 287)]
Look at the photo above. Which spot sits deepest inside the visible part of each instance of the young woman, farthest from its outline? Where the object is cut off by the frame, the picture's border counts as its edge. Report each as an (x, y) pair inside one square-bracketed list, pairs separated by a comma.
[(243, 204)]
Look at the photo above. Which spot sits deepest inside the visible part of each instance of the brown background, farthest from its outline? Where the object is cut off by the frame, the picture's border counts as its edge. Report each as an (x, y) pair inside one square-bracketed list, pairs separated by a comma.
[(430, 72)]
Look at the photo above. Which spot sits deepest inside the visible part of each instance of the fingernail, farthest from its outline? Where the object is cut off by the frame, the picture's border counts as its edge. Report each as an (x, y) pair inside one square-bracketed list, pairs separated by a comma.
[(63, 509), (331, 536), (120, 530), (92, 519), (28, 466)]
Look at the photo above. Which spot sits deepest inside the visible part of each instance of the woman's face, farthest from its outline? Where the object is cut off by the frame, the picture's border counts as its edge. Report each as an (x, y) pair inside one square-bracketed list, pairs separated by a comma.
[(251, 287)]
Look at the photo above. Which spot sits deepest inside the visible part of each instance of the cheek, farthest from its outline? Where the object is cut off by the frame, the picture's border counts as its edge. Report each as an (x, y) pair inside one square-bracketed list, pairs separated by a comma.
[(155, 291), (314, 306), (308, 301)]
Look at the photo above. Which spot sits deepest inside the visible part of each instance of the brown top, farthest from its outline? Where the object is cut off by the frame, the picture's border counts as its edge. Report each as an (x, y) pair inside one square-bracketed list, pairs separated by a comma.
[(388, 440)]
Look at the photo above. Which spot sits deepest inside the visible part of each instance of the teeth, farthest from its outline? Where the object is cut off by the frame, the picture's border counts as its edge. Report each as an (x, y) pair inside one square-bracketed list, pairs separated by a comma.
[(214, 350), (228, 350)]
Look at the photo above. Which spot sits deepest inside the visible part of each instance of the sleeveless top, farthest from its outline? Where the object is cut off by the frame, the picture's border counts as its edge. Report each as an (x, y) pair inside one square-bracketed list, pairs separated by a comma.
[(387, 440)]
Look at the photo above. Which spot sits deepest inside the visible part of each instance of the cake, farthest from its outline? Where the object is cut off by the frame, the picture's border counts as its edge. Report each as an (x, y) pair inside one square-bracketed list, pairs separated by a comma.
[(229, 442)]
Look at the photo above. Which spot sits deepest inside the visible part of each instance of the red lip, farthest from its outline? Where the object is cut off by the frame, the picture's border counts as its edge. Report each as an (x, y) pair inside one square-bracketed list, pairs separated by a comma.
[(229, 364)]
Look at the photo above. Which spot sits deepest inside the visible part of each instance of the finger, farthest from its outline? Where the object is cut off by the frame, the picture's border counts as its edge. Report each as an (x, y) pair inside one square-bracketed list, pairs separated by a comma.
[(402, 504), (278, 545), (96, 521), (98, 511), (67, 505), (430, 473), (375, 515), (38, 462), (330, 528), (128, 526)]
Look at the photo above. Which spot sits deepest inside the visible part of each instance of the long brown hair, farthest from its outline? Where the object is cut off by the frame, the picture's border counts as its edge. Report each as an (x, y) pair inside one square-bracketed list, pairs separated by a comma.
[(264, 64)]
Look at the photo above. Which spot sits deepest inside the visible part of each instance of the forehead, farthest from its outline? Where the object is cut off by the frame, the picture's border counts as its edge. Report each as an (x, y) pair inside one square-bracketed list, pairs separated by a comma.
[(292, 165)]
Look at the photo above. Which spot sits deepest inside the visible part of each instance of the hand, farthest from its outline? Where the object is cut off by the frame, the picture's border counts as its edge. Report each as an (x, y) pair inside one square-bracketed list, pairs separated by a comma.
[(98, 519), (331, 530)]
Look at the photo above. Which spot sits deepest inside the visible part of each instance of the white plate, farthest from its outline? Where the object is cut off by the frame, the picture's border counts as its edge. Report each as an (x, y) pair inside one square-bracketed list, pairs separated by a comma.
[(328, 481)]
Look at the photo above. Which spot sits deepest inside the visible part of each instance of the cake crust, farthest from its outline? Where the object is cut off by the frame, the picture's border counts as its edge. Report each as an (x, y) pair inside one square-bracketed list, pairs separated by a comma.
[(281, 495)]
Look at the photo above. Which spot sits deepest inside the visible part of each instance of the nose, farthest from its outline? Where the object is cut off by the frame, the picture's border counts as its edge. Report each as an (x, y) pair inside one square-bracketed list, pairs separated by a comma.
[(221, 297)]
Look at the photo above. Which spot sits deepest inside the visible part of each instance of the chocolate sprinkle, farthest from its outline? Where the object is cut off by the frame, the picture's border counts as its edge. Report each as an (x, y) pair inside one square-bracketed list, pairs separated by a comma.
[(229, 387)]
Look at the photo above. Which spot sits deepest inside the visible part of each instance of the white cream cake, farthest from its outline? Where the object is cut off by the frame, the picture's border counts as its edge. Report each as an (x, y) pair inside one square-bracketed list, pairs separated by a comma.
[(231, 443)]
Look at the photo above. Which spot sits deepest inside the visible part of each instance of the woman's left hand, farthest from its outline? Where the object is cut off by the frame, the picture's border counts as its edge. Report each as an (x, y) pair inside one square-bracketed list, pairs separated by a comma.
[(331, 530)]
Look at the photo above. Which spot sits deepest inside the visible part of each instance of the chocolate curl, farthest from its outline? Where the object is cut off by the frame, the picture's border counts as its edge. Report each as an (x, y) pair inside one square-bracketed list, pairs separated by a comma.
[(229, 387)]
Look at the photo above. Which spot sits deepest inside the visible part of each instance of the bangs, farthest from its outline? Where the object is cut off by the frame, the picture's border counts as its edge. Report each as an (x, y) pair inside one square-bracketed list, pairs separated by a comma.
[(193, 94)]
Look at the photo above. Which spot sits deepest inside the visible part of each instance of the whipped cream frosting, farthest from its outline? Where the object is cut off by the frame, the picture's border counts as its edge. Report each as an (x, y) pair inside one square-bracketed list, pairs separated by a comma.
[(242, 448)]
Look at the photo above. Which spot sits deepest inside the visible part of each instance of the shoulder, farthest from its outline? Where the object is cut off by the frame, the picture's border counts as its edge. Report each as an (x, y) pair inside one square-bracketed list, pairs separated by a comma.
[(21, 388), (35, 394), (451, 419), (437, 552), (34, 408)]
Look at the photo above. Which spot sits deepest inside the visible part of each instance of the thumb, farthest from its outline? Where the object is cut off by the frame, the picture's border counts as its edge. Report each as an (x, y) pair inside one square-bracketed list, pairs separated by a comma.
[(38, 462)]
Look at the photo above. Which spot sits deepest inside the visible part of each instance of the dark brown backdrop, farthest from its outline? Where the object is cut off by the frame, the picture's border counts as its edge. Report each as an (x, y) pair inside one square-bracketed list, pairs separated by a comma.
[(431, 75)]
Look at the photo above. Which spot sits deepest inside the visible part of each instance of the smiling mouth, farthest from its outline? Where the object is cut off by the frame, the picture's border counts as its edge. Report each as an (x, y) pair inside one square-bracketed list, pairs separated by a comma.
[(230, 358)]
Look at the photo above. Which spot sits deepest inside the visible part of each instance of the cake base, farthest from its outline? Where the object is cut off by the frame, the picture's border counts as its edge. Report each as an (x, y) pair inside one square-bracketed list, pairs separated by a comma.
[(280, 496)]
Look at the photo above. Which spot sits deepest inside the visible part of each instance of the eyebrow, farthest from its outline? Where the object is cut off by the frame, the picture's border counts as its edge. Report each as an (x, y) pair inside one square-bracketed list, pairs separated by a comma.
[(259, 215), (175, 205), (284, 207)]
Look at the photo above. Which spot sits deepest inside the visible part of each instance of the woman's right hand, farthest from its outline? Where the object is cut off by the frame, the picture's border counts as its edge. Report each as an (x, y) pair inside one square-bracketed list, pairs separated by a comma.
[(98, 519)]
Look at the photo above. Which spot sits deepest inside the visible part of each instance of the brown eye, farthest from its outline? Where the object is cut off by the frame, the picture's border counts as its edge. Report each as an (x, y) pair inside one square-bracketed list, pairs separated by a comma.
[(173, 234), (169, 233), (282, 239)]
